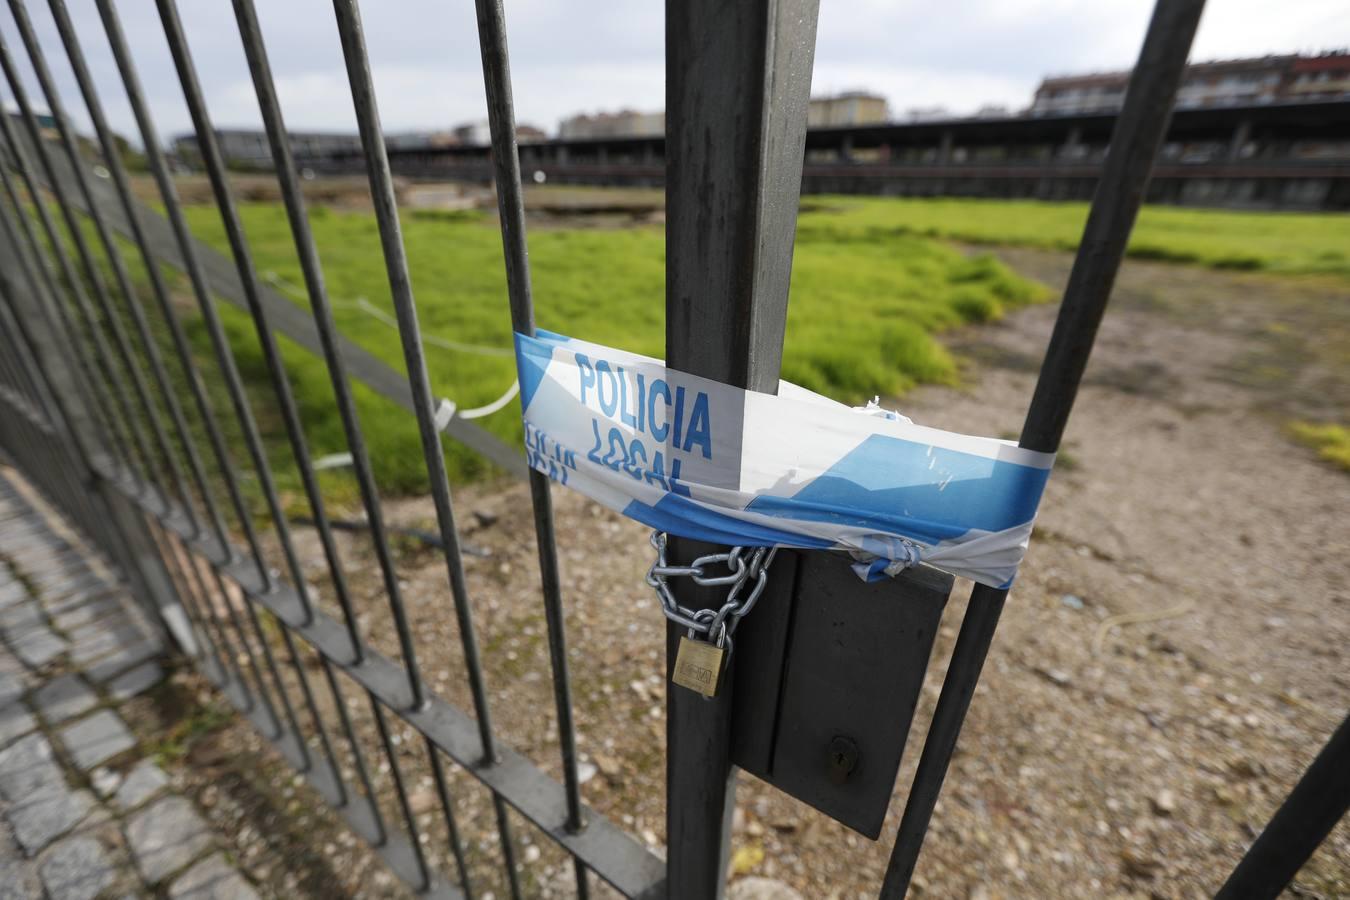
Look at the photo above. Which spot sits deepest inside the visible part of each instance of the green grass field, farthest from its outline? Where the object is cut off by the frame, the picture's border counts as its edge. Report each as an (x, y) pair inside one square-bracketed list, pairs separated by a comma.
[(872, 286), (1288, 243), (862, 316)]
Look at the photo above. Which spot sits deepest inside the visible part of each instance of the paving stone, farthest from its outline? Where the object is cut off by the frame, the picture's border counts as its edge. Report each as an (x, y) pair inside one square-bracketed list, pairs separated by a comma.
[(11, 592), (212, 879), (64, 697), (11, 686), (141, 783), (18, 879), (120, 625), (28, 765), (137, 681), (96, 739), (15, 721), (70, 618), (45, 814), (166, 836), (123, 659), (40, 647), (18, 620), (77, 869)]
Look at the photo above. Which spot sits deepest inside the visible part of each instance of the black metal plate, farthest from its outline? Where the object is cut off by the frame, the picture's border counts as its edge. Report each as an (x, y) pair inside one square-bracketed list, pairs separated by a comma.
[(828, 671)]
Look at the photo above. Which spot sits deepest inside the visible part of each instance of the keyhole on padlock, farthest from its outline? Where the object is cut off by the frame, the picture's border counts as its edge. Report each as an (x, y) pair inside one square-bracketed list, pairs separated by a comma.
[(843, 758)]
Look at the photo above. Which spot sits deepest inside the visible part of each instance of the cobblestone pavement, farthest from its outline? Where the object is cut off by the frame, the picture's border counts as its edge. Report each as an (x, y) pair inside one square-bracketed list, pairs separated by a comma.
[(84, 813)]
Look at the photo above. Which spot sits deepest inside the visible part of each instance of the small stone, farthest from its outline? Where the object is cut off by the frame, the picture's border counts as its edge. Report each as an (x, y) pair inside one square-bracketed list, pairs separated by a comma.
[(141, 784), (1139, 864), (1055, 676), (97, 739), (105, 780), (77, 869), (532, 854), (586, 771), (137, 681), (1165, 803), (1072, 601), (165, 837), (40, 647), (212, 879), (755, 887), (28, 765), (64, 697)]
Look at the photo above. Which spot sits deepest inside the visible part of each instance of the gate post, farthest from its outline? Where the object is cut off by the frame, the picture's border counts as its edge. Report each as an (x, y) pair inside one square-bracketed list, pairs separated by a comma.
[(738, 81)]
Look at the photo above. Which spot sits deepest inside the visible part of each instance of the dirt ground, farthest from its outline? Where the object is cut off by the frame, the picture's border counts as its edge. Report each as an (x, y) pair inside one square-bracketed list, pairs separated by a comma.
[(1174, 653)]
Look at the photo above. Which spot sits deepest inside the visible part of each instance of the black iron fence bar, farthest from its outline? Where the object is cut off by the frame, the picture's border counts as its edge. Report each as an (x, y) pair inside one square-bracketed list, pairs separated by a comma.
[(741, 72), (324, 323), (158, 372), (396, 264), (400, 790), (117, 399), (511, 214), (1319, 801), (113, 161), (100, 290), (293, 199), (1135, 142)]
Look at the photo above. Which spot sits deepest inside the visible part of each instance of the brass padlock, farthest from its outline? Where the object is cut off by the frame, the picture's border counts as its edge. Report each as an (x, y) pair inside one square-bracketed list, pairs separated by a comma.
[(698, 665)]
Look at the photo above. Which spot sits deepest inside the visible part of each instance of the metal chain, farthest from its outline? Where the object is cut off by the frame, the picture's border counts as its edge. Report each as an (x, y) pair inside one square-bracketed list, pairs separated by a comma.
[(716, 625)]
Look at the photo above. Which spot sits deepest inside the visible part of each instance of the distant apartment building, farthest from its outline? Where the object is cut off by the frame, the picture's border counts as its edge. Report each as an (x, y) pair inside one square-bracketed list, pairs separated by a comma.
[(1233, 82), (624, 123), (848, 108)]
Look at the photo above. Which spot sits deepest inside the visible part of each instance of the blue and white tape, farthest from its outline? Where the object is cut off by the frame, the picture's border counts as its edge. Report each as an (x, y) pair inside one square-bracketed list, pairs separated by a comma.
[(705, 460)]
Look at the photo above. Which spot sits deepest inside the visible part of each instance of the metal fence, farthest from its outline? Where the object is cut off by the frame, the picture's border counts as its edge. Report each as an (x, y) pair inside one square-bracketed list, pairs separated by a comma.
[(111, 413)]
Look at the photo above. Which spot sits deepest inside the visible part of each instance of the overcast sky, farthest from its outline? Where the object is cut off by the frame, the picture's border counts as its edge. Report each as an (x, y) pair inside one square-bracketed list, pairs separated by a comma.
[(587, 55)]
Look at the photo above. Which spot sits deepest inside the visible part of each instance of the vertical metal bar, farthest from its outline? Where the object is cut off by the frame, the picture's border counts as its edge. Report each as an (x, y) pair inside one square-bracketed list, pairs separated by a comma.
[(114, 162), (511, 213), (396, 264), (215, 169), (742, 73), (354, 745), (447, 807), (293, 198), (1138, 134), (1319, 800), (211, 318), (409, 820)]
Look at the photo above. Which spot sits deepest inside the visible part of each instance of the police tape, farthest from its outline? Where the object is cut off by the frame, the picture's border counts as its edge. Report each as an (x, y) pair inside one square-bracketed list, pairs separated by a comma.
[(705, 460)]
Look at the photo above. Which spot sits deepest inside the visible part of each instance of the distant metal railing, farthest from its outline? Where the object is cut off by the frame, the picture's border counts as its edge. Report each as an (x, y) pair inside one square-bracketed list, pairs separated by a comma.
[(93, 378)]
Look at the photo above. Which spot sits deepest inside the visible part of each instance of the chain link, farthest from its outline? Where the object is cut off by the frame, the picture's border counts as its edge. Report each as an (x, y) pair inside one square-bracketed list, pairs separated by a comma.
[(716, 625)]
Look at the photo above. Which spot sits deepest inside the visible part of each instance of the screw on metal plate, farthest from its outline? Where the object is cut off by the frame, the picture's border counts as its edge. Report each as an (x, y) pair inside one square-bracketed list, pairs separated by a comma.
[(843, 758)]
